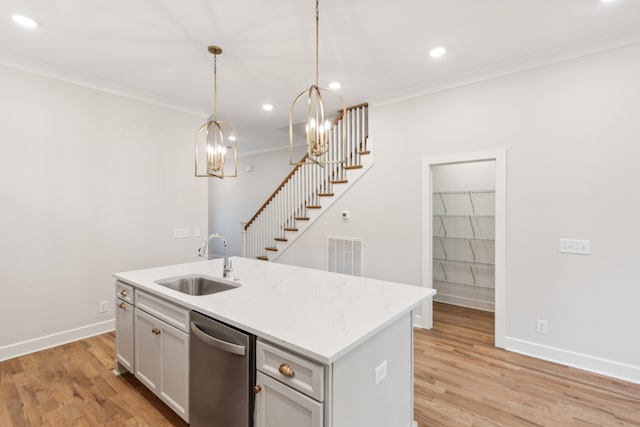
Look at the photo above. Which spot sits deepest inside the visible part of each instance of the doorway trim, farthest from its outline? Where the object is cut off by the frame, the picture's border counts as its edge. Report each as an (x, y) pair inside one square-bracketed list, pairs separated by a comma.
[(500, 157)]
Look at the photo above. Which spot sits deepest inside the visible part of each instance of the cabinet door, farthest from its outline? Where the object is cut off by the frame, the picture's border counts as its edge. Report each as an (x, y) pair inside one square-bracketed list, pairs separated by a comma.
[(147, 347), (124, 334), (278, 405), (174, 367)]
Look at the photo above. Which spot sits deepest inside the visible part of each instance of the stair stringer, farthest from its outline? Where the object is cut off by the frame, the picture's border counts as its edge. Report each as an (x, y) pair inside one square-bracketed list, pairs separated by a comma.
[(353, 176)]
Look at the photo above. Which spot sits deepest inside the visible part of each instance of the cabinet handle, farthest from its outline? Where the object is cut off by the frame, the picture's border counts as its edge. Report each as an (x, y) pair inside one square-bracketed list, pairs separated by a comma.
[(156, 331), (257, 389), (123, 305), (286, 370), (123, 293)]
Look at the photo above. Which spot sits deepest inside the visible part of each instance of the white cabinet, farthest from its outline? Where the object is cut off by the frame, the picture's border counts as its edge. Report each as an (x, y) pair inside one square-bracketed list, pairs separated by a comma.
[(124, 335), (291, 389), (124, 328), (162, 361), (278, 405), (148, 350)]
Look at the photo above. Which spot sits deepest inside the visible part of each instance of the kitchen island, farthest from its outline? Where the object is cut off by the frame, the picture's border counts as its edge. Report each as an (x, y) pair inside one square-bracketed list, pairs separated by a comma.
[(357, 331)]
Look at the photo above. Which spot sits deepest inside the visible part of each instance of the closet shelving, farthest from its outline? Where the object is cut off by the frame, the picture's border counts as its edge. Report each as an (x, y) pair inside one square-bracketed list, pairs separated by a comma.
[(463, 237)]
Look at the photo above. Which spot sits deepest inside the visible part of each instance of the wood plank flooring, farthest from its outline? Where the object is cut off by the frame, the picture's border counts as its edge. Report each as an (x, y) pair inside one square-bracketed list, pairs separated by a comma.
[(460, 380), (72, 385)]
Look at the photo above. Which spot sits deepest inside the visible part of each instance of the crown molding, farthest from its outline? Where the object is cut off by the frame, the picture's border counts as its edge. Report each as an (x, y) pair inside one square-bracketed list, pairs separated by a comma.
[(35, 67), (566, 53)]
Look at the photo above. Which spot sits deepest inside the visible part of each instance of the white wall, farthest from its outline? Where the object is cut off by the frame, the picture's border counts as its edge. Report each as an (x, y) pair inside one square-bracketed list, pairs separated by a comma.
[(90, 184), (471, 176), (234, 200), (571, 132)]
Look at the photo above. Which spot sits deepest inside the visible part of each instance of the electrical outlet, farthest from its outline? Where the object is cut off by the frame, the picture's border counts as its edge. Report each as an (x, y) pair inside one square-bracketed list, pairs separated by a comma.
[(571, 246), (381, 372), (542, 326), (102, 306)]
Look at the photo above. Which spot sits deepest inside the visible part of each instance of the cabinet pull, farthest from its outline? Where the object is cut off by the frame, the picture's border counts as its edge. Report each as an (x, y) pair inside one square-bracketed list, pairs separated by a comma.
[(155, 331), (123, 305), (286, 370), (123, 293), (257, 389)]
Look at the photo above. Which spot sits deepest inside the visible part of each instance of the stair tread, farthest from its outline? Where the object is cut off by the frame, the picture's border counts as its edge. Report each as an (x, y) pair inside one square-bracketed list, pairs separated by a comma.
[(338, 181), (290, 229), (364, 152), (302, 218), (262, 258), (280, 239), (324, 195), (272, 249), (314, 207), (353, 167)]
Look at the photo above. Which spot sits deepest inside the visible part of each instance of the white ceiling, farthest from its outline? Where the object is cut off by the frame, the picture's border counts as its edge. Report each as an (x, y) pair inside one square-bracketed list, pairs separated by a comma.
[(157, 49)]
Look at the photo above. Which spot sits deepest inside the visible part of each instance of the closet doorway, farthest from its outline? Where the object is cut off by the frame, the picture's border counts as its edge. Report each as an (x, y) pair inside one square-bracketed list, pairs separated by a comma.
[(463, 237)]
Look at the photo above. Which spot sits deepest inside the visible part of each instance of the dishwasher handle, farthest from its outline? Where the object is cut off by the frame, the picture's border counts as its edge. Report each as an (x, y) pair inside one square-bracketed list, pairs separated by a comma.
[(218, 343)]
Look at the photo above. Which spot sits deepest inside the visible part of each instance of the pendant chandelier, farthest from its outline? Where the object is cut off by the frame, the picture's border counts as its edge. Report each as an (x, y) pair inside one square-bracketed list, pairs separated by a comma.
[(318, 129), (216, 140)]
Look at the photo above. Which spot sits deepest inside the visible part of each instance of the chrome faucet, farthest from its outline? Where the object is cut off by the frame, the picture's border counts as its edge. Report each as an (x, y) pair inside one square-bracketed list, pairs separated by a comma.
[(226, 269)]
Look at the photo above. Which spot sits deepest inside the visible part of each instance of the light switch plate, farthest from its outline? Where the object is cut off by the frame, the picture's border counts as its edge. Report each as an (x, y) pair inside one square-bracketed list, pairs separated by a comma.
[(181, 233), (571, 246)]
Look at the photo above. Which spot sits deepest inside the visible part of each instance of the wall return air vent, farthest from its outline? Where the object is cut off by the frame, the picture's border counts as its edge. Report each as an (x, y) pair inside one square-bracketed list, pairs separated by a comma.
[(344, 255)]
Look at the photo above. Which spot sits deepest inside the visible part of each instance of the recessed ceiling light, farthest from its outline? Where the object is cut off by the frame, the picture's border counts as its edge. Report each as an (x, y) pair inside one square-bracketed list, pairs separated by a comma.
[(25, 21), (607, 1), (437, 52), (267, 107), (335, 85)]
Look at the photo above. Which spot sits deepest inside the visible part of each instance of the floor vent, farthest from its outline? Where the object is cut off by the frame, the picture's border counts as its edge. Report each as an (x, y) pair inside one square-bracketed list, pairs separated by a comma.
[(344, 256)]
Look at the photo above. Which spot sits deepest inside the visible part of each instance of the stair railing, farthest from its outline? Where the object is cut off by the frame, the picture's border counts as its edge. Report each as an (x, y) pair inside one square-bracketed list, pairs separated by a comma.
[(305, 186)]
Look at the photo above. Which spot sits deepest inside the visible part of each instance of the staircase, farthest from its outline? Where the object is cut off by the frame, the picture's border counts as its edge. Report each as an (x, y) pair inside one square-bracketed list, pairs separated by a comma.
[(308, 191)]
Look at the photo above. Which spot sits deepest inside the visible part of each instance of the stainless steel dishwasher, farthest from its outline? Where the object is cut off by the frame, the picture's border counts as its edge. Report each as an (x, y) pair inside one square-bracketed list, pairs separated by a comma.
[(222, 374)]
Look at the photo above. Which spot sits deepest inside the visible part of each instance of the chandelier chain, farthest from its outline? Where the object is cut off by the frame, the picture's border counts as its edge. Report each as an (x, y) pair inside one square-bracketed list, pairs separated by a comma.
[(317, 37), (215, 84)]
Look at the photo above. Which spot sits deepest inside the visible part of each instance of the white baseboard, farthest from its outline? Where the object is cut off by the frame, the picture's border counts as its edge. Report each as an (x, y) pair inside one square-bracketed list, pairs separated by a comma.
[(610, 368), (30, 346), (464, 301)]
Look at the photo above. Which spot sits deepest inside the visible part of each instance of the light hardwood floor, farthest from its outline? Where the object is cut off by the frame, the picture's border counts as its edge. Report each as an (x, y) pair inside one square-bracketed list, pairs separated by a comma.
[(72, 385), (461, 380)]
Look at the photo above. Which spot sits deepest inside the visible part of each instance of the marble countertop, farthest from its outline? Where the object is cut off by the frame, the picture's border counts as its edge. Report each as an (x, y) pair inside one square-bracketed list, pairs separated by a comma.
[(318, 314)]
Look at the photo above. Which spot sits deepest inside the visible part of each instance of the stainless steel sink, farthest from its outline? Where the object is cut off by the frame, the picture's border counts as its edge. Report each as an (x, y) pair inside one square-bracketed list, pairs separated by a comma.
[(197, 285)]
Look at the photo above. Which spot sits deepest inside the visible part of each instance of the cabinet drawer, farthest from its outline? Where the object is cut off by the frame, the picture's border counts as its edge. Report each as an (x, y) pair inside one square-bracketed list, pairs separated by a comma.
[(172, 314), (299, 373), (280, 406), (124, 291)]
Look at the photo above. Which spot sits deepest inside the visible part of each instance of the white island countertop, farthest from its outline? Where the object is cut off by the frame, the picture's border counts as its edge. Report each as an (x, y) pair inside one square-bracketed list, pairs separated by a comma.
[(318, 314)]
